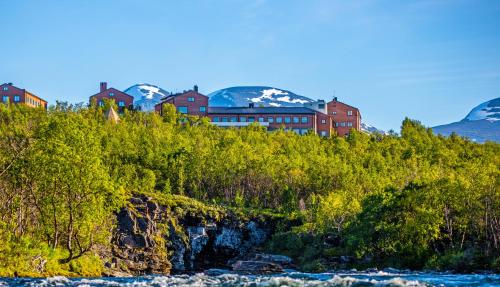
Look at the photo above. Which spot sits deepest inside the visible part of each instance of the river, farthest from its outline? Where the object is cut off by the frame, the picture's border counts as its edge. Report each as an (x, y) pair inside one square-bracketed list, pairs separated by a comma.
[(287, 279)]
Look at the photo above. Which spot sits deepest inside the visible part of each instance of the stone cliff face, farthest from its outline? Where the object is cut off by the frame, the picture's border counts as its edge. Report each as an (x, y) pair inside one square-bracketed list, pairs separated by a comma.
[(152, 238)]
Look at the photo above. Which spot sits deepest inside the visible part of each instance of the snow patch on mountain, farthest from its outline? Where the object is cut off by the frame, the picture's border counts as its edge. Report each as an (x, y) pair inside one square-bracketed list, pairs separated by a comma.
[(489, 111), (146, 96), (371, 129)]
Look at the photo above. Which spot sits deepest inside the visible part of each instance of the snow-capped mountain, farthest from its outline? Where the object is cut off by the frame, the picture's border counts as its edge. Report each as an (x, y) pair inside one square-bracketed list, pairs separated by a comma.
[(259, 95), (146, 96), (371, 129), (481, 124)]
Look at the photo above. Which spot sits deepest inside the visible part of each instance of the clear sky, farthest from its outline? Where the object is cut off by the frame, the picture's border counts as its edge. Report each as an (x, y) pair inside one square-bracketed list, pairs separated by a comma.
[(429, 60)]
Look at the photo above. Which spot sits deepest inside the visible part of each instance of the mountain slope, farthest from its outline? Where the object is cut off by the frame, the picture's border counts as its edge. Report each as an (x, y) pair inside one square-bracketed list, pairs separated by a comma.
[(259, 95), (146, 96), (481, 124)]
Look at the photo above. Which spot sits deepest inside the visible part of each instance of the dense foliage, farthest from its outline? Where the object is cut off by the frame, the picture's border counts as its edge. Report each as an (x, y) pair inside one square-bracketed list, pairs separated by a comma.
[(415, 200)]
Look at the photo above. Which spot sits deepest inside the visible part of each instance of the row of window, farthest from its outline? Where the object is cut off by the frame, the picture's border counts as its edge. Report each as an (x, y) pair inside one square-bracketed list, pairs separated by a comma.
[(120, 103), (32, 102), (349, 113), (184, 110), (5, 99), (343, 124), (279, 120)]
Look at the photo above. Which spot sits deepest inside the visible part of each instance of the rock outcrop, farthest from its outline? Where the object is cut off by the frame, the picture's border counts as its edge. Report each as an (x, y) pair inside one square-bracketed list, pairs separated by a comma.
[(160, 239)]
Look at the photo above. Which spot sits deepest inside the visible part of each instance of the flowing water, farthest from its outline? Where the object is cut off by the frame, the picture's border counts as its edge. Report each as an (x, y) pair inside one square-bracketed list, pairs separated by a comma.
[(286, 279)]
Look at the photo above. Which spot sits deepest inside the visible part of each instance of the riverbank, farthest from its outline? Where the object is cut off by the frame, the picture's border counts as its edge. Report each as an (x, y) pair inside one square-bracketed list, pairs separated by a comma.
[(169, 234)]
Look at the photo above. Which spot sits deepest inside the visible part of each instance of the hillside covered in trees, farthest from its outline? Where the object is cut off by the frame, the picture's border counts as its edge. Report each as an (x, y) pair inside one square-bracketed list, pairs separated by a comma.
[(413, 200)]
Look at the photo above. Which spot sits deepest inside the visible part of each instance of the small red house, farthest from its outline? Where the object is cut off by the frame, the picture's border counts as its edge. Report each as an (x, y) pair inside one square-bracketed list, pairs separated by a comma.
[(14, 95), (122, 100)]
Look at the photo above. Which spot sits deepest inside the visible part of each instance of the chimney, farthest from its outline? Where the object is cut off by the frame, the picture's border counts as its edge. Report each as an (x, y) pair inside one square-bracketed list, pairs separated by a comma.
[(195, 88), (251, 105), (104, 86), (334, 99)]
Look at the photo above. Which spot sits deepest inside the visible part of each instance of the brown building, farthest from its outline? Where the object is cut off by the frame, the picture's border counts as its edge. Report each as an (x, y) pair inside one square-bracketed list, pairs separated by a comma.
[(189, 102), (344, 116), (298, 119), (318, 117), (15, 95), (122, 100)]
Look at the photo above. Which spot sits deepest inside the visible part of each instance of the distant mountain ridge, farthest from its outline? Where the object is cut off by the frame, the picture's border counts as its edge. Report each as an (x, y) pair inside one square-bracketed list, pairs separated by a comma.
[(481, 124)]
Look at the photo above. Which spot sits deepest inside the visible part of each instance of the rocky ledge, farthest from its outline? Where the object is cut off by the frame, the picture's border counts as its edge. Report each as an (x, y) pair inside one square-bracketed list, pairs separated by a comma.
[(179, 237)]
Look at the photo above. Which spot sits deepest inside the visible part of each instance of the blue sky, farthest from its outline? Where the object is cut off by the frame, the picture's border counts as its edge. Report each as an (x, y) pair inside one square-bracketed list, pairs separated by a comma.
[(429, 60)]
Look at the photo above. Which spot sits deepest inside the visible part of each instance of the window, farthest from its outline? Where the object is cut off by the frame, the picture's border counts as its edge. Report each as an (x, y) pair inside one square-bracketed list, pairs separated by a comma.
[(279, 120), (334, 113), (287, 120), (101, 103), (295, 120), (321, 106), (342, 124), (349, 113), (349, 124), (336, 124), (203, 109), (251, 119), (182, 110), (303, 131), (270, 119), (234, 119), (261, 120), (224, 119), (190, 99), (304, 120), (243, 119), (121, 103), (215, 119), (111, 94), (323, 133), (5, 99), (5, 88), (17, 99), (297, 131), (323, 121)]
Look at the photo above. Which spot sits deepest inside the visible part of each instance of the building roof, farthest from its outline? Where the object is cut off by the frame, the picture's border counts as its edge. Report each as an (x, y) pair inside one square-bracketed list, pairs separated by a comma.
[(181, 94), (114, 90), (342, 103), (261, 110)]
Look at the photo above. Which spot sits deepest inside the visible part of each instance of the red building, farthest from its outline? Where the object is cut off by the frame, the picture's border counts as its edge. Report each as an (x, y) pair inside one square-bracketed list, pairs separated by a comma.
[(15, 95), (123, 100), (318, 117), (189, 102), (344, 116)]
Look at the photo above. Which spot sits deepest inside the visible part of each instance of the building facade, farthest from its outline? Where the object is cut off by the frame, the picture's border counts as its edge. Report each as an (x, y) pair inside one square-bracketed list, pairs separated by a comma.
[(189, 102), (122, 100), (344, 117), (318, 117), (14, 95)]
